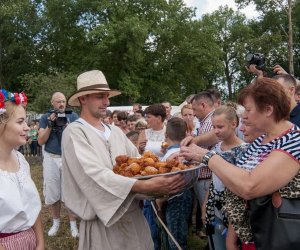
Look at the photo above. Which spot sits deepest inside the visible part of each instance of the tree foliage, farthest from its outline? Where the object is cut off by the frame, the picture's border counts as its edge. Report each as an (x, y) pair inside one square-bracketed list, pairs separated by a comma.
[(150, 50), (19, 26), (273, 20), (40, 87)]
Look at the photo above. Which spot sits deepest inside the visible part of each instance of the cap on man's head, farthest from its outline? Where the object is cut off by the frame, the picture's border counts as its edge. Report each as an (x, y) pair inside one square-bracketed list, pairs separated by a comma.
[(91, 82)]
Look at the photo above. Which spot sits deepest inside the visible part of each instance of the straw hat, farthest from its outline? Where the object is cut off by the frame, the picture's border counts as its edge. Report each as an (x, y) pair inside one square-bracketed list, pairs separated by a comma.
[(91, 82)]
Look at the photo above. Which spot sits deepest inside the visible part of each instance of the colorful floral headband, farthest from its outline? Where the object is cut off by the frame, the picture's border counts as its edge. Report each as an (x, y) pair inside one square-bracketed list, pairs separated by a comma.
[(17, 98)]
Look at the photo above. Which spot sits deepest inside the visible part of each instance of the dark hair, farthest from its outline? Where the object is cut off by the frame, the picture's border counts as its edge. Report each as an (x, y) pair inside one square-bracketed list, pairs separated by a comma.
[(114, 112), (287, 79), (122, 115), (132, 118), (156, 110), (204, 95), (176, 129), (267, 91), (190, 98), (141, 112), (215, 94), (108, 112), (297, 89)]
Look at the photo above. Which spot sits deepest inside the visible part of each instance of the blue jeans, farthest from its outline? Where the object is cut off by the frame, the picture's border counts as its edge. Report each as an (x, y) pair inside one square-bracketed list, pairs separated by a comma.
[(178, 211), (219, 239), (200, 188), (150, 217)]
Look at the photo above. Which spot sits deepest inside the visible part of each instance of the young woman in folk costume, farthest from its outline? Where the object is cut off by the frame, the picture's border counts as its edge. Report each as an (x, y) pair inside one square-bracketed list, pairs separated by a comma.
[(20, 205)]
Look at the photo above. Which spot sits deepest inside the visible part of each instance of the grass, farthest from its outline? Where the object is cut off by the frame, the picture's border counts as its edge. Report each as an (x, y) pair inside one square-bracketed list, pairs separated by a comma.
[(63, 240)]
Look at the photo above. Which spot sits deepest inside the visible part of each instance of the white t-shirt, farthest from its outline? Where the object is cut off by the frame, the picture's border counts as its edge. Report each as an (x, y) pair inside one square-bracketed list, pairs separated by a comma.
[(20, 202), (104, 134), (170, 152)]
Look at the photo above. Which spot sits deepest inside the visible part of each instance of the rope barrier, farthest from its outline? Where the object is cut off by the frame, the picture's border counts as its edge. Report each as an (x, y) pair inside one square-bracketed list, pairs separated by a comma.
[(165, 227)]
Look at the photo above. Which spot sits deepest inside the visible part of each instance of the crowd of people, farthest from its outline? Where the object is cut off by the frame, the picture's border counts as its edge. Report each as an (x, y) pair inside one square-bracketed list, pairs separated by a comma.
[(247, 192), (32, 148)]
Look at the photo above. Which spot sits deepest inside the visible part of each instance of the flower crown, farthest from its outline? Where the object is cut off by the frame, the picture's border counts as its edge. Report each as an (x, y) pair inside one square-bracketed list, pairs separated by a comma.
[(17, 98)]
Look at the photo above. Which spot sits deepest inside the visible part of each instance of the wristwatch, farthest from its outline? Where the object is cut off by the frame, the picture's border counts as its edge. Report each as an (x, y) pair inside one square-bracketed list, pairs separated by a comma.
[(207, 157)]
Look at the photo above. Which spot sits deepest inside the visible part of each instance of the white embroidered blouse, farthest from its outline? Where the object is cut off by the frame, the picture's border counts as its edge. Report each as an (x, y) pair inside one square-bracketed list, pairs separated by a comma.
[(20, 203)]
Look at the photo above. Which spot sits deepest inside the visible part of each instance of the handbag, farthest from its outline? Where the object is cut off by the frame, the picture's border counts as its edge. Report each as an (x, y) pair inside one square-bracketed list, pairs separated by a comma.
[(275, 222)]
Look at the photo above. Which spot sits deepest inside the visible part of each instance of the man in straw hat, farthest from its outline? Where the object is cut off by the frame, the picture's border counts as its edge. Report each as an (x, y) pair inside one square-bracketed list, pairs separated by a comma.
[(111, 217)]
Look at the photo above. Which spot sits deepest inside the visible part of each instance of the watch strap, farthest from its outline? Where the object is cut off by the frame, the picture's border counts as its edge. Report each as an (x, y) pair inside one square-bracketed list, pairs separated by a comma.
[(207, 157)]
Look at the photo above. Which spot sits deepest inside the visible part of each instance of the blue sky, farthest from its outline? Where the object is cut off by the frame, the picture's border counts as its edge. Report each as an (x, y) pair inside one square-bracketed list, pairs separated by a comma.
[(208, 6)]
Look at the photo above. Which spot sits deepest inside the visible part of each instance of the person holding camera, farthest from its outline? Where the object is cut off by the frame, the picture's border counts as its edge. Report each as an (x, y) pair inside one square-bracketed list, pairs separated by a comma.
[(257, 65), (52, 124)]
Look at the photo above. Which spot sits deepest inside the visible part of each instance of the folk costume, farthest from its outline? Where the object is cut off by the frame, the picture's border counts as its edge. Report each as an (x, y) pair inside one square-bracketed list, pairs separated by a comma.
[(20, 203), (111, 218)]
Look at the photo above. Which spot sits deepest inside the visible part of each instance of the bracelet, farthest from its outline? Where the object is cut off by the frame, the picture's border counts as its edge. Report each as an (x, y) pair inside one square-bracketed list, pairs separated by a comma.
[(207, 157)]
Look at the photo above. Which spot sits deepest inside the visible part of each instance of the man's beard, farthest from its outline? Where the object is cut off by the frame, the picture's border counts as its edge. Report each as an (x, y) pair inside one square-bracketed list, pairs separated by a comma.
[(61, 109), (99, 114)]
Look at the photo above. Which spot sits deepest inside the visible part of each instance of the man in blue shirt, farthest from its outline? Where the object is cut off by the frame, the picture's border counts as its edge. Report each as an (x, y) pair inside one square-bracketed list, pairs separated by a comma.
[(289, 83), (52, 124)]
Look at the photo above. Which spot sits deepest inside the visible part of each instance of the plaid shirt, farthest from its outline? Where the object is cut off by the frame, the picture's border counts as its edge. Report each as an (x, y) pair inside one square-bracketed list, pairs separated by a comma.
[(205, 127)]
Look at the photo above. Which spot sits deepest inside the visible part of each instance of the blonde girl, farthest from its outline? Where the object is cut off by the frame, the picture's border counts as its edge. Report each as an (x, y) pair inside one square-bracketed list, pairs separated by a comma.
[(20, 205)]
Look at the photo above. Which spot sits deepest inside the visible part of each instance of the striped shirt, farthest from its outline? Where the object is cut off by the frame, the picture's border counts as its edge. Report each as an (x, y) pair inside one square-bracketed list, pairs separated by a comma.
[(205, 127), (288, 142)]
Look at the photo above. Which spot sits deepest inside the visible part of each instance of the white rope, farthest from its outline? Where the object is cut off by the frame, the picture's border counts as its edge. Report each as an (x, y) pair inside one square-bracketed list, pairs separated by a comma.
[(165, 227)]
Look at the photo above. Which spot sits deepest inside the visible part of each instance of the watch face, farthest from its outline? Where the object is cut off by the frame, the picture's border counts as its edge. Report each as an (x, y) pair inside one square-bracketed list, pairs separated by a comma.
[(207, 156)]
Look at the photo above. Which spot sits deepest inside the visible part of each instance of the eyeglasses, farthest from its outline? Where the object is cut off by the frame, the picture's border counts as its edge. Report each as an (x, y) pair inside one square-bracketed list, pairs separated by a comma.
[(60, 101)]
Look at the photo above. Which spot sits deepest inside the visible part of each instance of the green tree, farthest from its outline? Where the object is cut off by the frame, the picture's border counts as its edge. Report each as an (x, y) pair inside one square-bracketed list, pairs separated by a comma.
[(19, 28), (40, 87), (232, 33), (277, 14), (152, 50)]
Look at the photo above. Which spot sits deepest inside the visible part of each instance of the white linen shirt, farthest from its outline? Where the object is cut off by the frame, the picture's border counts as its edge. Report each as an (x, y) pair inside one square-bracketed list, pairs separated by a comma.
[(20, 203)]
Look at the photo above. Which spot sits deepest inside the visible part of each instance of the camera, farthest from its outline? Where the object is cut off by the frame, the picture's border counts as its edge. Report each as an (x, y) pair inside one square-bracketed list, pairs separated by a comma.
[(61, 118), (257, 59)]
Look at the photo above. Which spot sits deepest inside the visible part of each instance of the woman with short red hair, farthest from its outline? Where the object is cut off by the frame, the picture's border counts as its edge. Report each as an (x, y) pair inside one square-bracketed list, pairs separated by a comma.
[(269, 170)]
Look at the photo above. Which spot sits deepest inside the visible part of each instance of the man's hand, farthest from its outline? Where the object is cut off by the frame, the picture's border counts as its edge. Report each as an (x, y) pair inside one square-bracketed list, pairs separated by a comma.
[(187, 140), (161, 185), (252, 69), (51, 120), (278, 70)]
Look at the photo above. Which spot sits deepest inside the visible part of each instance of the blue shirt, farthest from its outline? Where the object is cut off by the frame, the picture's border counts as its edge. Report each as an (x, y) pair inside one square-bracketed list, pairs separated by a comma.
[(295, 115), (53, 144)]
